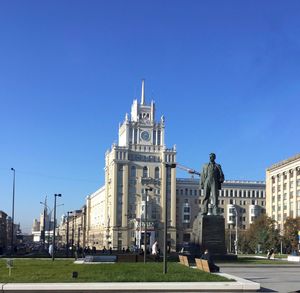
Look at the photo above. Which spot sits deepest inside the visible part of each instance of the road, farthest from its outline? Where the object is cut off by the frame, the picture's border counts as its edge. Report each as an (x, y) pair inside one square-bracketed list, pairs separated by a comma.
[(272, 278)]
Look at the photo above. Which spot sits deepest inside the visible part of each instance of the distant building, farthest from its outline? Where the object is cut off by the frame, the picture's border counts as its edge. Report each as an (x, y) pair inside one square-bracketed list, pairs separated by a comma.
[(283, 190), (247, 197), (72, 229), (42, 229), (3, 232)]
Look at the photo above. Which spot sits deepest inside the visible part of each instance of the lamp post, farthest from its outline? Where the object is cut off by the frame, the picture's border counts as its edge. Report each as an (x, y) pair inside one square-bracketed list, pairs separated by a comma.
[(54, 220), (73, 231), (145, 220), (44, 221), (236, 231), (13, 213), (67, 234), (168, 166), (78, 236)]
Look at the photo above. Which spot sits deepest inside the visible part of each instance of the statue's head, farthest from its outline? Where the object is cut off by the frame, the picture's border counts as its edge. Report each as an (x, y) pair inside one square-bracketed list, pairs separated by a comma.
[(212, 157)]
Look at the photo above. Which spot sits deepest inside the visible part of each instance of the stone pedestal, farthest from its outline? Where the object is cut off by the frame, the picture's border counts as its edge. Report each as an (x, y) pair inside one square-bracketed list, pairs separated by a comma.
[(212, 234)]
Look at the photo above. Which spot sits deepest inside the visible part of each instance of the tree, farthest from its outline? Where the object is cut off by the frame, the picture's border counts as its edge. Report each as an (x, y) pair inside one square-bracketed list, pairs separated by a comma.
[(290, 236), (262, 232)]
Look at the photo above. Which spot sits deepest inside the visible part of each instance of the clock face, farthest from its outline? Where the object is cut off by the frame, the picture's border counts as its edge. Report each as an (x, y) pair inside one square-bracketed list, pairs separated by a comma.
[(145, 135)]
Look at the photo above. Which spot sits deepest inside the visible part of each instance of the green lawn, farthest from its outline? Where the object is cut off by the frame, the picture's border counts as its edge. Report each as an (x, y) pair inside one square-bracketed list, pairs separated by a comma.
[(44, 270), (256, 261)]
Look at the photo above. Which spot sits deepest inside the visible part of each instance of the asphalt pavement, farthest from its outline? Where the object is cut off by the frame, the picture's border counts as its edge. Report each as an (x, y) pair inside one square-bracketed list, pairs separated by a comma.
[(272, 278)]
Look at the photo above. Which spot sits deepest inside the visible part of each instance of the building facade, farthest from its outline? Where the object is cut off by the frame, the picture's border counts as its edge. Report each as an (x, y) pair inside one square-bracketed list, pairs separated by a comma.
[(42, 229), (116, 212), (72, 231), (246, 198), (283, 190), (3, 232)]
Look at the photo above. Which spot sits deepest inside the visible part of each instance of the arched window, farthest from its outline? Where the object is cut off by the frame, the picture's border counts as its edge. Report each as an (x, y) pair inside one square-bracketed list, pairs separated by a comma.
[(133, 171), (145, 172), (156, 175)]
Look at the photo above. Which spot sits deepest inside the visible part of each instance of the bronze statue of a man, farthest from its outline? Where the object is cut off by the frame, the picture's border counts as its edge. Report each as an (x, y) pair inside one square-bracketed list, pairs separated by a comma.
[(211, 179)]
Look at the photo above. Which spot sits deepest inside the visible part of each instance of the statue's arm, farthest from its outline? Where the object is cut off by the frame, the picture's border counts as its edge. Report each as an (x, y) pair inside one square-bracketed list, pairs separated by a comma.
[(222, 177), (202, 178)]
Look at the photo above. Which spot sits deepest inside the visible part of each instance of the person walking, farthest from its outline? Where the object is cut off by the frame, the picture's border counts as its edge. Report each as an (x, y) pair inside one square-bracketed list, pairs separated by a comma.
[(212, 266)]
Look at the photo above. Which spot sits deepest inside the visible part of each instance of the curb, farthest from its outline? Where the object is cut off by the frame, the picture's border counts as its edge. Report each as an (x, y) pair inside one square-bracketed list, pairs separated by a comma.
[(239, 286)]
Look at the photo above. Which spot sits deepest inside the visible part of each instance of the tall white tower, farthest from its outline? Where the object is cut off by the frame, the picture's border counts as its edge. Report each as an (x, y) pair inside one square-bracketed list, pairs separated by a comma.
[(136, 162)]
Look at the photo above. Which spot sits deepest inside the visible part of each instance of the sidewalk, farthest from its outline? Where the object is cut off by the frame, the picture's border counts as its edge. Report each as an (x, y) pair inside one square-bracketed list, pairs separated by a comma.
[(241, 285)]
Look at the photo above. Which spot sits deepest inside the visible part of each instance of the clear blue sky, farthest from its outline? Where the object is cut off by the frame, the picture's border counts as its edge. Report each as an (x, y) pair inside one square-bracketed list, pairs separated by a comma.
[(224, 73)]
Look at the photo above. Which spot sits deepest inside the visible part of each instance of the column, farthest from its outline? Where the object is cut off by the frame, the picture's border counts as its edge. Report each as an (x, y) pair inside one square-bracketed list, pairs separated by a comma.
[(114, 210), (163, 187), (125, 196), (173, 197), (295, 191)]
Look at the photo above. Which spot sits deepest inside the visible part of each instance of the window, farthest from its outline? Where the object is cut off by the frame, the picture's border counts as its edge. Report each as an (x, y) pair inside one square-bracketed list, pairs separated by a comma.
[(186, 237), (132, 172), (298, 208), (145, 172), (186, 218), (156, 173), (186, 209)]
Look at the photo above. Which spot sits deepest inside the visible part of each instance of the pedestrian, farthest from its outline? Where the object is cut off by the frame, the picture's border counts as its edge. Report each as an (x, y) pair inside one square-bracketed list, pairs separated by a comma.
[(155, 251), (212, 267), (270, 253)]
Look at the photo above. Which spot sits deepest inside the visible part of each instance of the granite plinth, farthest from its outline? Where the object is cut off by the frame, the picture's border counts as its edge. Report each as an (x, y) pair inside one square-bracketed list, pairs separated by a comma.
[(212, 234)]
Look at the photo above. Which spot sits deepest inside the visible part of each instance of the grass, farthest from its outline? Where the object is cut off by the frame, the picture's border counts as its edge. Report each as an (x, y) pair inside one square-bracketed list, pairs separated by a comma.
[(256, 261), (46, 271)]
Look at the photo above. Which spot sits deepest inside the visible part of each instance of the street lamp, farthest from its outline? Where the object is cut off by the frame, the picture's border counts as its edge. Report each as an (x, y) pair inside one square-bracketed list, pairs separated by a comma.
[(67, 234), (168, 166), (13, 213), (73, 231), (54, 220), (44, 221), (236, 231), (145, 220), (46, 207)]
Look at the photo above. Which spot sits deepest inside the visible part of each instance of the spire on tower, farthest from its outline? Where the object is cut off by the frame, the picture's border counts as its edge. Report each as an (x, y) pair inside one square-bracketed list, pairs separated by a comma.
[(143, 93)]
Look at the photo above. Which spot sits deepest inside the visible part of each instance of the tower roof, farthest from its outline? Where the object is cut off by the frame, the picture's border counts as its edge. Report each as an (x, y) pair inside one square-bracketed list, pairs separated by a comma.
[(143, 93)]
